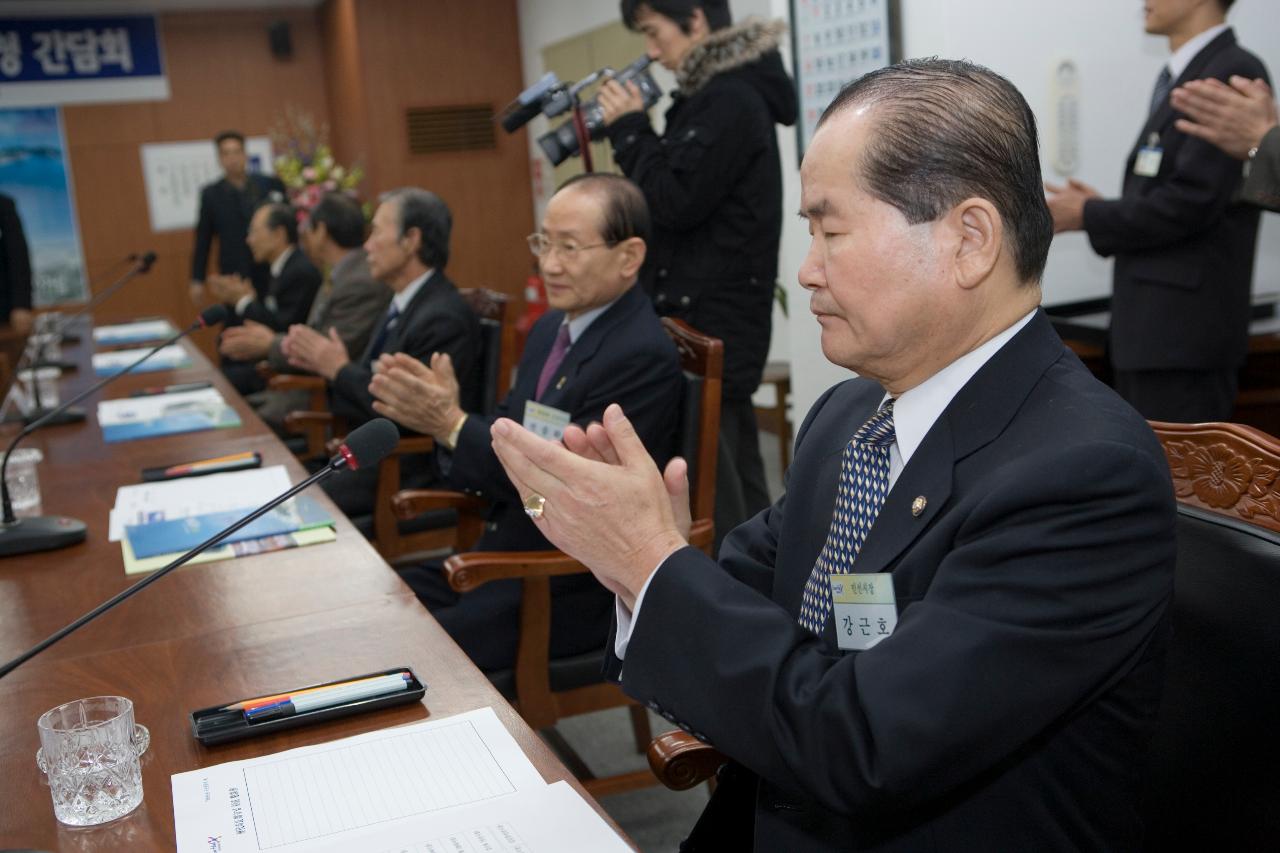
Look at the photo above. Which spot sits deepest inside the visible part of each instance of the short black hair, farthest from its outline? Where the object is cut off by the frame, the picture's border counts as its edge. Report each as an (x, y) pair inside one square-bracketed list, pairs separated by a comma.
[(946, 130), (679, 11), (626, 214), (342, 218), (228, 134), (1226, 5), (426, 211), (284, 216)]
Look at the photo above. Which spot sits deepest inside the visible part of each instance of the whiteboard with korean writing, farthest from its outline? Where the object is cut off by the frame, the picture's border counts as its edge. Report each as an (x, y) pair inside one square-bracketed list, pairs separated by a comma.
[(175, 172)]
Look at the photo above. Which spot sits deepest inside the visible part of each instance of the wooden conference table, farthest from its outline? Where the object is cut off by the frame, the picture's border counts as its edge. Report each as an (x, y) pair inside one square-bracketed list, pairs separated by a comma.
[(203, 635)]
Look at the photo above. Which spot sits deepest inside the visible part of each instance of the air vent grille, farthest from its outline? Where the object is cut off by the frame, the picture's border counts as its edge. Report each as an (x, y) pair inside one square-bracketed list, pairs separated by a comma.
[(465, 128)]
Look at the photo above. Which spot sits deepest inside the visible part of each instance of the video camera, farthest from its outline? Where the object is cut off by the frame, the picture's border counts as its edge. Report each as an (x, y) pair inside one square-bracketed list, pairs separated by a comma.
[(551, 98)]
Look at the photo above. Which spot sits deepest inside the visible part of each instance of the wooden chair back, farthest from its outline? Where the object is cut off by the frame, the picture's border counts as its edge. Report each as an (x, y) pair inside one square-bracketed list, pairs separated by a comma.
[(702, 359)]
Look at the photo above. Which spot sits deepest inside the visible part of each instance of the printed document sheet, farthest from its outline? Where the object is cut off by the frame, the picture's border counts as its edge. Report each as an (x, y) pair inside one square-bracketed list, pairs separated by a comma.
[(412, 788), (190, 496)]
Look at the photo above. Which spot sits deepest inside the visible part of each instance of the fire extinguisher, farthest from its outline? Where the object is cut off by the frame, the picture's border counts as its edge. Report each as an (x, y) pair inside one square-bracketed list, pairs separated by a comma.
[(535, 305)]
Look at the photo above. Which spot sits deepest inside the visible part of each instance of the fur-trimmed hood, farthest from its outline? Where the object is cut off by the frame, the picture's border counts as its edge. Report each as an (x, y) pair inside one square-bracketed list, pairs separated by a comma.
[(743, 46)]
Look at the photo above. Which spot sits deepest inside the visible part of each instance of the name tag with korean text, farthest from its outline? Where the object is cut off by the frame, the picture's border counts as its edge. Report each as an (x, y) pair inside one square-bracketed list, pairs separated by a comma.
[(865, 609), (1147, 165), (546, 421)]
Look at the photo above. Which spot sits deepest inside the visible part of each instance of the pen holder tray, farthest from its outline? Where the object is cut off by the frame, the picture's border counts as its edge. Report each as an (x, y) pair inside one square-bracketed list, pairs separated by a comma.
[(214, 725)]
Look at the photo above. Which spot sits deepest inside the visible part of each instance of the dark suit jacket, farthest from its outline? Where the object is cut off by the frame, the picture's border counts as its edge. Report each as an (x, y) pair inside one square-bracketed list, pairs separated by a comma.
[(15, 262), (289, 295), (1262, 186), (1183, 243), (1010, 708), (436, 320), (225, 213), (623, 357)]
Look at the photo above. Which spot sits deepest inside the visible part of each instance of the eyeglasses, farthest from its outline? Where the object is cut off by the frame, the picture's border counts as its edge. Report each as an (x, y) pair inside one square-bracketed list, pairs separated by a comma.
[(539, 245)]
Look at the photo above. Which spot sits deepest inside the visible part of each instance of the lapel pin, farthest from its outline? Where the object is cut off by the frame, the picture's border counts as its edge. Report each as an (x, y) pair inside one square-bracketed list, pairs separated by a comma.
[(560, 384), (918, 505)]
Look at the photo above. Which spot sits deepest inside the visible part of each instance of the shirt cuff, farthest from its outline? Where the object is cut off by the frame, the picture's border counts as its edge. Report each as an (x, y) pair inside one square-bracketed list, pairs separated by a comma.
[(241, 304), (627, 618), (451, 440)]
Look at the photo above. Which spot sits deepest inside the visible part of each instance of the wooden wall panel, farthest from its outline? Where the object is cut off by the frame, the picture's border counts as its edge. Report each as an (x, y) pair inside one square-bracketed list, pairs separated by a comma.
[(415, 54), (221, 75)]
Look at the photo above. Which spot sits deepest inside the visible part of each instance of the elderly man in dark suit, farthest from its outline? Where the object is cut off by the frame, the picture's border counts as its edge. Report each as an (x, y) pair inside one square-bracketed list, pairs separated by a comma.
[(351, 301), (273, 240), (602, 343), (1182, 240), (226, 206), (407, 249), (948, 634)]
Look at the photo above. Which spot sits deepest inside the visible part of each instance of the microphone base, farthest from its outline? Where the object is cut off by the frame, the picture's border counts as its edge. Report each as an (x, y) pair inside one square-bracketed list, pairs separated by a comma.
[(42, 533), (73, 415), (64, 366)]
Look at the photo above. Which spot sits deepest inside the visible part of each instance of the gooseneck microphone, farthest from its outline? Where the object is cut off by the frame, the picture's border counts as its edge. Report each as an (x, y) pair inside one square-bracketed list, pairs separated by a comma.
[(69, 415), (365, 446), (46, 532)]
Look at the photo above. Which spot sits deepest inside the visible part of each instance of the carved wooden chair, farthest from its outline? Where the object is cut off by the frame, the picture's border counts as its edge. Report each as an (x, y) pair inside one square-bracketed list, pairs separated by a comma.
[(1212, 778), (324, 432), (544, 690)]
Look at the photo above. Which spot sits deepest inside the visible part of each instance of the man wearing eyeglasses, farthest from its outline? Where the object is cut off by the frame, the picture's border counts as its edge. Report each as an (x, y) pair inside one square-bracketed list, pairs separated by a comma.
[(602, 343)]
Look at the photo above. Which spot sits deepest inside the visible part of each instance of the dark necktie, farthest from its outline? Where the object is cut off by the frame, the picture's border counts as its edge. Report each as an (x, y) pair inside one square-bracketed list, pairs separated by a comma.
[(864, 482), (554, 359), (1164, 85), (384, 331)]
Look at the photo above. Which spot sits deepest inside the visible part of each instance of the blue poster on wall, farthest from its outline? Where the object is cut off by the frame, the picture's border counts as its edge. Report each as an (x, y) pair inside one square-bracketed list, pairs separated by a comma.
[(34, 172)]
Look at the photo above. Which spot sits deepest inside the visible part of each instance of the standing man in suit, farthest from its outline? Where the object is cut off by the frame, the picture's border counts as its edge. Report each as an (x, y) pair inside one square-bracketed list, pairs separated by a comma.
[(602, 343), (1182, 241), (226, 206), (15, 269), (948, 634), (351, 301), (407, 249), (273, 240), (1240, 117)]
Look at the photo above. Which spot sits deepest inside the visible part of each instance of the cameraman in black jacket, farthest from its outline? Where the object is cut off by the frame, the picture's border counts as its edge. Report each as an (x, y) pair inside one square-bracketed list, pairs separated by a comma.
[(714, 186)]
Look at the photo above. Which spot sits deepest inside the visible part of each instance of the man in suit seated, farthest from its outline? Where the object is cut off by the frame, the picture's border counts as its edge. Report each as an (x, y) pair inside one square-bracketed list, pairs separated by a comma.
[(949, 633), (350, 301), (273, 240), (601, 343), (407, 249), (226, 205)]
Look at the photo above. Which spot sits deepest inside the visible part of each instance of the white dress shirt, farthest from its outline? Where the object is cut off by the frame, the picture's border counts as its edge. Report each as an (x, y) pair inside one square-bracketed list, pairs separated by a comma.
[(914, 414), (277, 266), (1182, 57)]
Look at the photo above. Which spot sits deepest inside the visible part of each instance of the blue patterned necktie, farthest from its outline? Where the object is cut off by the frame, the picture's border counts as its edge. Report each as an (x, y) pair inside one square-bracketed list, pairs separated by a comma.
[(864, 482), (384, 332)]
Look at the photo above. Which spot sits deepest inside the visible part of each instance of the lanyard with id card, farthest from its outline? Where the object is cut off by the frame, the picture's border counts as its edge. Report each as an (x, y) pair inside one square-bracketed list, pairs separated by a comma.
[(865, 609), (546, 421), (1147, 164)]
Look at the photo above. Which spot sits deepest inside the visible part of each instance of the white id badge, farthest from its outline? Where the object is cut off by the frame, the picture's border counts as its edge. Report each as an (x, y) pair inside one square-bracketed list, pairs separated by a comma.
[(865, 609), (545, 421), (1147, 165)]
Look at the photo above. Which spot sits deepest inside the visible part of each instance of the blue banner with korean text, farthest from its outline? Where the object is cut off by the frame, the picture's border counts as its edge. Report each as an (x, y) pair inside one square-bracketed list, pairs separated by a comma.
[(48, 61)]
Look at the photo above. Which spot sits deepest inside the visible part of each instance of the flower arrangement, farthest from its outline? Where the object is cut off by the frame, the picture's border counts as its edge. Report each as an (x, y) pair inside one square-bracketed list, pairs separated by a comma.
[(304, 161)]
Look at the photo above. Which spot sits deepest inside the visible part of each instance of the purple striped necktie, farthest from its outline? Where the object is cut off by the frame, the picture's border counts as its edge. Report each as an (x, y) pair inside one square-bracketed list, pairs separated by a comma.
[(554, 359)]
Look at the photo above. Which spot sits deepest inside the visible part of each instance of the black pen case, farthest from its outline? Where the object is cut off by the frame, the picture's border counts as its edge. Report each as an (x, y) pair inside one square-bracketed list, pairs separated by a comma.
[(213, 725)]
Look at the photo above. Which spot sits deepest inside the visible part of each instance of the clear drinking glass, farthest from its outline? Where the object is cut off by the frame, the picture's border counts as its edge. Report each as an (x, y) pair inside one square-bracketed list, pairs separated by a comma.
[(24, 482), (89, 749), (48, 378)]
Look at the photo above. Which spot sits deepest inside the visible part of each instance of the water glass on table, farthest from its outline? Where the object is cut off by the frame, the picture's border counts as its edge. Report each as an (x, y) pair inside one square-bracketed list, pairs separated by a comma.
[(89, 749)]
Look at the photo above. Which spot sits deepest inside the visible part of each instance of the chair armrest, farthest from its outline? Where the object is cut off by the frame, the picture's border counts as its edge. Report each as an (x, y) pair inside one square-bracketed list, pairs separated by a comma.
[(412, 502), (469, 570), (265, 370), (298, 422), (295, 382), (680, 760)]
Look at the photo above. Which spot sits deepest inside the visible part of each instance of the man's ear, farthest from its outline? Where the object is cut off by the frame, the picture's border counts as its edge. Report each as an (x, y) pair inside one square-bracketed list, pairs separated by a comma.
[(412, 238), (698, 26), (978, 233), (632, 251)]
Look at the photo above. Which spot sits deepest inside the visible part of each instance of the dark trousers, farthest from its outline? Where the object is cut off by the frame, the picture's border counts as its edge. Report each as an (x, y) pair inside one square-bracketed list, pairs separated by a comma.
[(485, 622), (243, 375), (1179, 396), (741, 489)]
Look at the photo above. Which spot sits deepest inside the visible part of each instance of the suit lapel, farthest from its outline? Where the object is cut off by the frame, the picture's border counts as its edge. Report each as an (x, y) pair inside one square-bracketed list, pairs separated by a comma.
[(585, 348), (1163, 117)]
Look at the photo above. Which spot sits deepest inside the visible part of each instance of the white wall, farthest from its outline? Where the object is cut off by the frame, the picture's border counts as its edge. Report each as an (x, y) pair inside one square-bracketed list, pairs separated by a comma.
[(1022, 40)]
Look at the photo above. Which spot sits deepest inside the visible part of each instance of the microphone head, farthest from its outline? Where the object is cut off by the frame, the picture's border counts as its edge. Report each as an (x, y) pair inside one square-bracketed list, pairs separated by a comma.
[(368, 444), (212, 316), (145, 262)]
